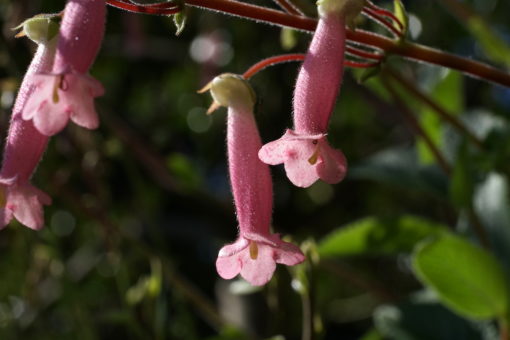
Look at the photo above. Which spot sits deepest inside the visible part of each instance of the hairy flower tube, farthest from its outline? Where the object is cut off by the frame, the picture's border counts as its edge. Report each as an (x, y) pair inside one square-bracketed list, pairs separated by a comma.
[(67, 91), (25, 144), (304, 150), (255, 253)]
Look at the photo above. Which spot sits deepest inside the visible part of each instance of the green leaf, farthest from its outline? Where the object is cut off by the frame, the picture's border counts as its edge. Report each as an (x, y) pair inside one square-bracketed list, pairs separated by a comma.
[(492, 204), (423, 317), (465, 277), (373, 334), (288, 38), (368, 73), (401, 14), (399, 167), (136, 293), (378, 236), (184, 170), (448, 93), (180, 21), (493, 46), (462, 182)]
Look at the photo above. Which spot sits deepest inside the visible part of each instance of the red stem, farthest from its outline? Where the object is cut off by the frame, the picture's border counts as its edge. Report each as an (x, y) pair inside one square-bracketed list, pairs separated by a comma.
[(288, 7), (362, 53), (385, 13), (154, 9), (371, 14), (153, 5), (357, 64), (294, 57), (403, 48), (272, 61)]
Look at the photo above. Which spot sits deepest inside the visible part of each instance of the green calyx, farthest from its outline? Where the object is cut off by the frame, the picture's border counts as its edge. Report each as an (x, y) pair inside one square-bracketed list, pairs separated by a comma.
[(231, 90), (347, 8), (41, 28)]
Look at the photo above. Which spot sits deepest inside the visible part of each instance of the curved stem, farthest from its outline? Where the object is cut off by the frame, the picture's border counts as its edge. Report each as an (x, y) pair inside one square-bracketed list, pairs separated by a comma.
[(358, 52), (284, 58), (385, 13), (272, 61), (408, 50), (372, 14), (358, 64), (157, 9), (405, 49)]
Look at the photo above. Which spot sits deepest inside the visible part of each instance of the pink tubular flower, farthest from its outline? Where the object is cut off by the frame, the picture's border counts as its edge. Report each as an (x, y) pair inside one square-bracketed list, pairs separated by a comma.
[(24, 148), (255, 253), (305, 150), (68, 92)]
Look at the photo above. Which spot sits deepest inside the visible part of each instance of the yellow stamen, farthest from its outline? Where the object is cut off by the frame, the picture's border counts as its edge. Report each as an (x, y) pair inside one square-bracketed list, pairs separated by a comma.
[(3, 198), (315, 156), (254, 250), (56, 86)]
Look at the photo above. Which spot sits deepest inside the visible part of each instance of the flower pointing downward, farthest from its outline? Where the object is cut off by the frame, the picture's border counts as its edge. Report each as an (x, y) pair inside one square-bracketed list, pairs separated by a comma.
[(255, 253), (66, 92), (256, 260), (25, 145), (60, 98), (306, 158), (305, 150), (23, 202)]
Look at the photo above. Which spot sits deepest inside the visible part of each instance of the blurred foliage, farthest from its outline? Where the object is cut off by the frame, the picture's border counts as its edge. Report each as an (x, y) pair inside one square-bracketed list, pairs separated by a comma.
[(466, 278), (142, 205)]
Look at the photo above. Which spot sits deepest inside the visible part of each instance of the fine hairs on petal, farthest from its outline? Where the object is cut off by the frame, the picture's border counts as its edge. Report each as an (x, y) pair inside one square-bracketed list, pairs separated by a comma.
[(51, 106), (66, 91), (255, 253), (259, 269), (304, 150), (307, 158), (26, 203)]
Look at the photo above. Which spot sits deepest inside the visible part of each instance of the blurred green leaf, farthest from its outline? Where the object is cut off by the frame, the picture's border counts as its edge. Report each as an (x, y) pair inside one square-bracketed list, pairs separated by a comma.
[(466, 278), (288, 38), (136, 293), (181, 167), (378, 236), (230, 333), (367, 73), (449, 94), (180, 20), (155, 281), (462, 184), (399, 167), (423, 318), (373, 334), (494, 47), (492, 204)]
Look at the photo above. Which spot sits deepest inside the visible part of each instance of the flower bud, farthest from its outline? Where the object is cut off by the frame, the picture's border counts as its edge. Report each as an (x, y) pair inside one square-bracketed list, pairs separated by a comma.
[(41, 28), (231, 89), (348, 8)]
